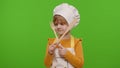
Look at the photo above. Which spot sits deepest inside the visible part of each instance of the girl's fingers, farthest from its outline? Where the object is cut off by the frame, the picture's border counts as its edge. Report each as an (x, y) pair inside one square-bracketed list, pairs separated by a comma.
[(53, 45), (61, 46)]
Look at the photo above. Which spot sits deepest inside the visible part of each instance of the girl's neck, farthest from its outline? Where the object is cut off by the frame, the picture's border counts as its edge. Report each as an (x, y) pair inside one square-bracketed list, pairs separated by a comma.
[(67, 36)]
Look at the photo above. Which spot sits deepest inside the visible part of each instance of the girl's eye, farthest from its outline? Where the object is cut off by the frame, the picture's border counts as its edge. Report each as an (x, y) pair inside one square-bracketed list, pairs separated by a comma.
[(55, 24), (61, 24)]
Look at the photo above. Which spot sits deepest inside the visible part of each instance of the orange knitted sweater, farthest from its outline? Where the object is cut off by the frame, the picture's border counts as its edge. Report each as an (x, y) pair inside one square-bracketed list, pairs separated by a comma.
[(76, 60)]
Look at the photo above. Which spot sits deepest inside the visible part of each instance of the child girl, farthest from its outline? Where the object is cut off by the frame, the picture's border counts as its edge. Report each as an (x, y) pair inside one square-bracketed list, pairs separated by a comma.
[(68, 53)]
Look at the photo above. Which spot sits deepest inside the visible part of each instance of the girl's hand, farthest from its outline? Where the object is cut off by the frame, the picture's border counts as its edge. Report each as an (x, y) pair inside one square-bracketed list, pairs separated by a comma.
[(51, 49), (62, 50)]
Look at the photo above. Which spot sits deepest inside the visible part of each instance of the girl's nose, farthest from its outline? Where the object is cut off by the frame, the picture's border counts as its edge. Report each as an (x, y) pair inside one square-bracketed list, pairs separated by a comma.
[(58, 26)]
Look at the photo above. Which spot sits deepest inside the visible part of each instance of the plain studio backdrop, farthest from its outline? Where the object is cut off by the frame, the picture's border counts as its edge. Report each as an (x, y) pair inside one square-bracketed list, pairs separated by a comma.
[(25, 29)]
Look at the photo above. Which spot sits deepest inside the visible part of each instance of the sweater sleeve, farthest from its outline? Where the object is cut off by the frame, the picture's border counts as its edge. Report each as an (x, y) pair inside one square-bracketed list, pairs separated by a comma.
[(48, 58), (76, 60)]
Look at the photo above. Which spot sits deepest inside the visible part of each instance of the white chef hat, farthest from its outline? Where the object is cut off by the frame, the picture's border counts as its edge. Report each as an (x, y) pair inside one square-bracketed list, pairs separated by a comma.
[(68, 12)]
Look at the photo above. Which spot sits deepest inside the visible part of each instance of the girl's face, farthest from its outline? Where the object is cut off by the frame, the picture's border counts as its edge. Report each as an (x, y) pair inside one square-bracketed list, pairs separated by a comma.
[(60, 24)]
